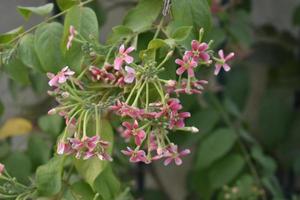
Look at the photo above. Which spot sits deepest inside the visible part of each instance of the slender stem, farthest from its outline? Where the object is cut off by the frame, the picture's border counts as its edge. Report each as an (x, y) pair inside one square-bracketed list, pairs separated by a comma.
[(47, 20), (147, 96), (138, 93), (158, 28)]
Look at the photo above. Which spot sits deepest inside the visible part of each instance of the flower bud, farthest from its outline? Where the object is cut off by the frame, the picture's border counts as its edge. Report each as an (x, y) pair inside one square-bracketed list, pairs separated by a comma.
[(52, 111)]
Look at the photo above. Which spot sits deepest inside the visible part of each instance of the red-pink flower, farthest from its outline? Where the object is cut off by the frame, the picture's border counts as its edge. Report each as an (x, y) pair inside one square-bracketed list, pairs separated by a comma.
[(91, 142), (135, 155), (72, 33), (60, 77), (130, 75), (76, 144), (221, 62), (186, 64), (63, 148), (199, 51), (123, 57), (133, 130), (173, 154), (177, 119), (2, 167)]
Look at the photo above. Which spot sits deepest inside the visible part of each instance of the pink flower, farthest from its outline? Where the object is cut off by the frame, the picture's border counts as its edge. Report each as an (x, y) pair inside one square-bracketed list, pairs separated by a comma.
[(177, 119), (2, 167), (199, 51), (172, 154), (123, 56), (133, 130), (104, 156), (187, 63), (63, 148), (222, 62), (72, 33), (135, 155), (76, 144), (91, 142), (60, 77), (130, 76)]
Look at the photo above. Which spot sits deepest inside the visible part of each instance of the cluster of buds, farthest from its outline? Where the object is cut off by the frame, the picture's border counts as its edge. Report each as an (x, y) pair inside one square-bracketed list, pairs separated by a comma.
[(148, 105)]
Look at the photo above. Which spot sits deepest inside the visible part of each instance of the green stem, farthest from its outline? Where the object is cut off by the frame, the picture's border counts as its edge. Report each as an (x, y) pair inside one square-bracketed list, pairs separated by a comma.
[(158, 28), (138, 94)]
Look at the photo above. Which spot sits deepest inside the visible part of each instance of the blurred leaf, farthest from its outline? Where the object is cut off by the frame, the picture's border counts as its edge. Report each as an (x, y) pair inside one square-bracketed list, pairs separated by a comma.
[(156, 43), (4, 149), (181, 33), (38, 150), (15, 127), (225, 170), (1, 108), (273, 186), (9, 36), (232, 108), (214, 146), (92, 168), (107, 184), (51, 124), (47, 40), (17, 71), (18, 165), (125, 195), (245, 185), (296, 16), (119, 33), (39, 82), (138, 20), (218, 35), (82, 191), (66, 4), (49, 177), (267, 163), (27, 52), (26, 12), (275, 116)]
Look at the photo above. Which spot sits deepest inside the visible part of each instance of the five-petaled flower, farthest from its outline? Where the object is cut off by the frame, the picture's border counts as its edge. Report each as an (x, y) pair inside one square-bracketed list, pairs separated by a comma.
[(221, 62), (60, 77), (134, 130), (173, 154), (186, 64), (198, 52), (123, 57), (135, 155)]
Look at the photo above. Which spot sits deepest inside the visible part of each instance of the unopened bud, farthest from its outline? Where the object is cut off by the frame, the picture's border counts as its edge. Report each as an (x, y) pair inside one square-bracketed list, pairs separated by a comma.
[(52, 111), (65, 94)]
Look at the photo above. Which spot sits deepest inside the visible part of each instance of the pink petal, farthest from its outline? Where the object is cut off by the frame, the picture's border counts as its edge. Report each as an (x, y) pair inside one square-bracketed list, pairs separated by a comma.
[(191, 72), (185, 152), (180, 70), (221, 54), (203, 46), (127, 125), (229, 56), (204, 56), (217, 69), (62, 79), (178, 161), (129, 79), (168, 161), (130, 49), (128, 59), (179, 62), (226, 67), (195, 45), (129, 70), (121, 49), (53, 81), (118, 63), (137, 140), (50, 75)]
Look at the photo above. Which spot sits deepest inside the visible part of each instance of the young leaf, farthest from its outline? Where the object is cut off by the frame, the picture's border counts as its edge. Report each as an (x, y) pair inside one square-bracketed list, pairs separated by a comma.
[(90, 169), (49, 177), (119, 33), (182, 33), (214, 146), (156, 43), (143, 15), (9, 36), (27, 53), (47, 40), (26, 12)]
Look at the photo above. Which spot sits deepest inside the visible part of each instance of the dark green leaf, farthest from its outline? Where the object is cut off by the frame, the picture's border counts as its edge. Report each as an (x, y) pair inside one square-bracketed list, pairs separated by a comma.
[(82, 190), (26, 12), (51, 124), (143, 15), (49, 177), (214, 146), (47, 40), (27, 52), (266, 162), (225, 170)]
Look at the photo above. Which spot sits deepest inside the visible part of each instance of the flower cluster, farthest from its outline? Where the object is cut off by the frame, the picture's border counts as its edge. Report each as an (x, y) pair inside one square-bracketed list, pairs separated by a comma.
[(148, 105)]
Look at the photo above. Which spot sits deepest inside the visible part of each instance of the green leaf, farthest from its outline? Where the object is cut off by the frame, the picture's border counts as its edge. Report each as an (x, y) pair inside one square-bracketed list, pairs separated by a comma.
[(266, 162), (1, 108), (26, 12), (143, 15), (14, 161), (218, 35), (82, 190), (4, 149), (156, 43), (225, 170), (27, 52), (85, 22), (9, 36), (38, 150), (49, 177), (119, 33), (17, 71), (214, 146), (51, 124), (47, 40), (195, 13), (66, 4), (107, 185), (92, 168), (182, 33)]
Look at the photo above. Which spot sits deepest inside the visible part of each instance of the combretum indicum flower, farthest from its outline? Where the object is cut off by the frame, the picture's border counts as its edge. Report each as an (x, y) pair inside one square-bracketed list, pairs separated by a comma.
[(133, 89)]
